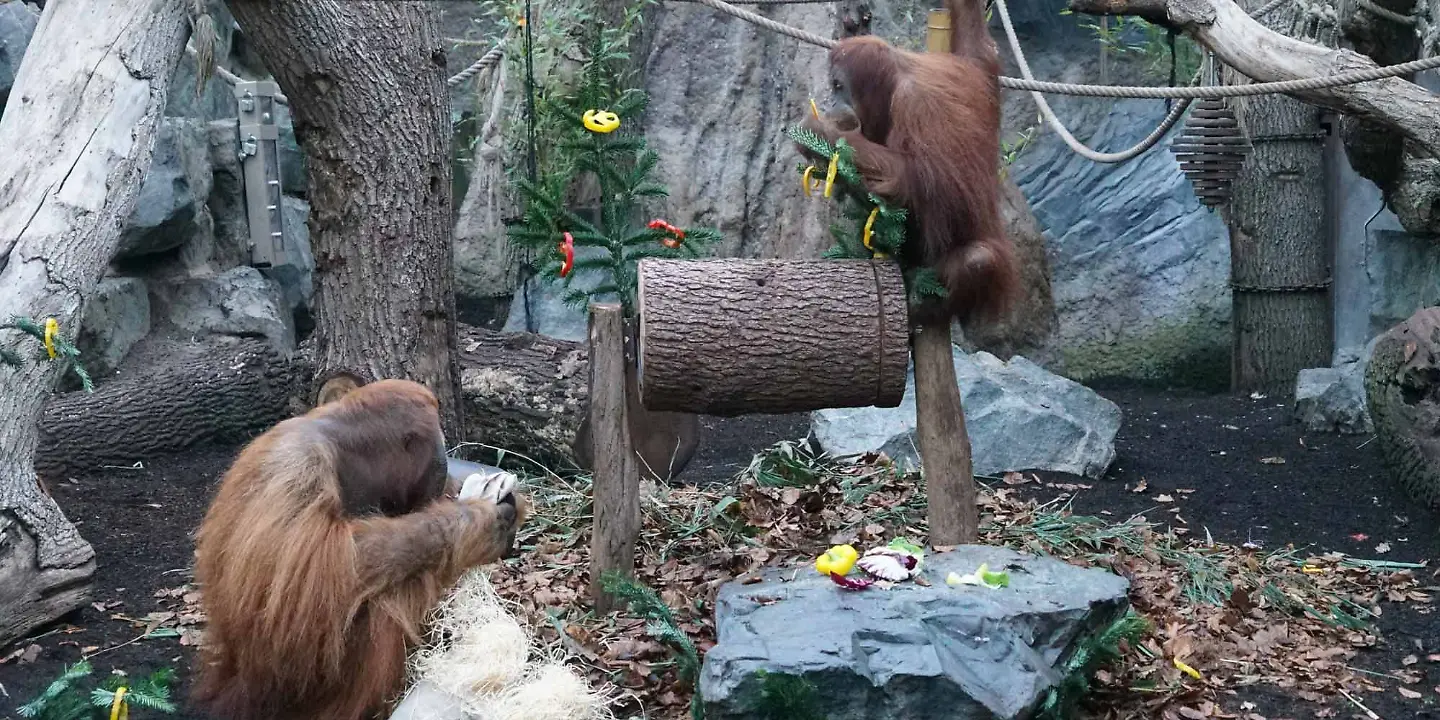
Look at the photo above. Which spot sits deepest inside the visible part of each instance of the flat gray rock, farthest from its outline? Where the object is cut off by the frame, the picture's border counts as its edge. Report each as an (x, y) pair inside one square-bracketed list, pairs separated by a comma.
[(1019, 417), (1333, 399), (911, 652)]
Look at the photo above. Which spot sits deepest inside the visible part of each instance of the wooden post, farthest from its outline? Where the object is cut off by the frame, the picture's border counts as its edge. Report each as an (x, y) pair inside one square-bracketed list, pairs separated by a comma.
[(616, 483), (941, 438), (940, 433)]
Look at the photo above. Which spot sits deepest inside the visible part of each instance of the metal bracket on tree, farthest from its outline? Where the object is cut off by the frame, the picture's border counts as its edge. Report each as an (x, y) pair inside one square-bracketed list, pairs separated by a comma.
[(260, 161)]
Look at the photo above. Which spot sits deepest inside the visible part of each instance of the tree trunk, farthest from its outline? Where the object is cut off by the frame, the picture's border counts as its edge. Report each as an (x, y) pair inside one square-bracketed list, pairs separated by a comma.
[(1402, 390), (77, 134), (733, 337), (1279, 249), (223, 393), (366, 84)]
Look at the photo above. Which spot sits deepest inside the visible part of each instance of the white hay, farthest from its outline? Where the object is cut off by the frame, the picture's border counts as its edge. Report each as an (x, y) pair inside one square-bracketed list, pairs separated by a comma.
[(486, 660), (552, 692)]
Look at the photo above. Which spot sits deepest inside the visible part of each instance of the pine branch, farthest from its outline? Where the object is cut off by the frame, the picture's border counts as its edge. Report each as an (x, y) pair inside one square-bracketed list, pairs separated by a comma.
[(55, 689)]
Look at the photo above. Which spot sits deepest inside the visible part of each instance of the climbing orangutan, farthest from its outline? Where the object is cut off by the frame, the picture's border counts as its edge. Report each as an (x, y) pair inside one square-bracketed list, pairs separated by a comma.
[(926, 133), (329, 541)]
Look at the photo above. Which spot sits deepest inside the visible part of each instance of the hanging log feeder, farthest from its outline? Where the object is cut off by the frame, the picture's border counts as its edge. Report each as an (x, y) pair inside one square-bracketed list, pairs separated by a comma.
[(732, 337), (1211, 150)]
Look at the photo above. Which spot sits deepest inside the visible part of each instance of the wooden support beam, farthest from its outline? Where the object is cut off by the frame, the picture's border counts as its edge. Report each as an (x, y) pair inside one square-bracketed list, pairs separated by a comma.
[(732, 337), (942, 439), (616, 483)]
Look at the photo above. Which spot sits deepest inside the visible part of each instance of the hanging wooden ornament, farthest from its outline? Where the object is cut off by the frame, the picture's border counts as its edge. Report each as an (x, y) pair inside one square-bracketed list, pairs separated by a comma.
[(1211, 150)]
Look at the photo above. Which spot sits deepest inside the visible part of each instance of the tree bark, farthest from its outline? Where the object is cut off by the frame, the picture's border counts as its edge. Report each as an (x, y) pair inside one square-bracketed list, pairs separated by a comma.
[(617, 486), (734, 337), (78, 133), (1402, 389), (366, 84), (1279, 249), (218, 394), (1267, 56)]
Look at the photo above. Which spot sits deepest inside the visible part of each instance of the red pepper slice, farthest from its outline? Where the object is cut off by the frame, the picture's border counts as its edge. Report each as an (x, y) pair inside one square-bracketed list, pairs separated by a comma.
[(850, 583), (567, 248)]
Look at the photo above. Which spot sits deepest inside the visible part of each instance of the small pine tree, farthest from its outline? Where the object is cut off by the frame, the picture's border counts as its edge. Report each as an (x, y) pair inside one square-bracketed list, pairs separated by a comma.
[(597, 140), (875, 229)]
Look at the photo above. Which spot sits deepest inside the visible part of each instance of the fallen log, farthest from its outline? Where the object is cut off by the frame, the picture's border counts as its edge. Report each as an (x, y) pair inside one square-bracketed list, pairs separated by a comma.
[(220, 393), (523, 393)]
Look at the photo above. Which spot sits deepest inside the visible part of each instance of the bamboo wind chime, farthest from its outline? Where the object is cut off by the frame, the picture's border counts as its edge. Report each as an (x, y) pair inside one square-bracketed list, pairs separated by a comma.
[(1212, 148)]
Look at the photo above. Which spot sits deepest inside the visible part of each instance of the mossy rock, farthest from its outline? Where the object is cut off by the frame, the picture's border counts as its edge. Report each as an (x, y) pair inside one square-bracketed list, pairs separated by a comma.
[(1402, 387)]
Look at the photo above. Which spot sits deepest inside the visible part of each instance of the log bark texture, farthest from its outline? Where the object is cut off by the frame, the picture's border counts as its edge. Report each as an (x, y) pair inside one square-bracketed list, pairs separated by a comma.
[(1402, 388), (77, 136), (213, 394), (616, 484), (522, 392), (1279, 246), (1268, 56), (733, 337), (366, 84)]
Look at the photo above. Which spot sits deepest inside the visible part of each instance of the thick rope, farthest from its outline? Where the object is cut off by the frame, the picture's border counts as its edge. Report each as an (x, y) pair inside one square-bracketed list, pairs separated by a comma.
[(1080, 148), (1128, 91), (1386, 13)]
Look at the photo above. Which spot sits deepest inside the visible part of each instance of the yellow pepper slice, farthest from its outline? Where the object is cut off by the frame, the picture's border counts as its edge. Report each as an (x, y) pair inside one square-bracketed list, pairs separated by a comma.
[(808, 183), (119, 709), (830, 173), (869, 223), (814, 110), (838, 560), (601, 121), (52, 330)]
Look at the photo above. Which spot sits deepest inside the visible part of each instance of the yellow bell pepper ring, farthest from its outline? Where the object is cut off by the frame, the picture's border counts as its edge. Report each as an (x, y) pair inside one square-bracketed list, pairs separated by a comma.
[(831, 172), (601, 121), (837, 560)]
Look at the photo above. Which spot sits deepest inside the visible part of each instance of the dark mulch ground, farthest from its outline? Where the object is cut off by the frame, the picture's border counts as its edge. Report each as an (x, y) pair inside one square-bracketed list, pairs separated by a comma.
[(1328, 492)]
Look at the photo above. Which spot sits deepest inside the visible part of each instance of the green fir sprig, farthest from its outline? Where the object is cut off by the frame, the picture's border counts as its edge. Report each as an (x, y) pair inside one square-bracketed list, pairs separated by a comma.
[(887, 230), (65, 351), (64, 699), (1101, 648), (661, 625)]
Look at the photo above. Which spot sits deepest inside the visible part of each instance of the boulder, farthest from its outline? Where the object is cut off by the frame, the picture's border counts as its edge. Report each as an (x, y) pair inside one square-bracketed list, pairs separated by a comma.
[(227, 199), (1333, 399), (239, 302), (547, 312), (911, 652), (1019, 416), (17, 24), (116, 317), (171, 209)]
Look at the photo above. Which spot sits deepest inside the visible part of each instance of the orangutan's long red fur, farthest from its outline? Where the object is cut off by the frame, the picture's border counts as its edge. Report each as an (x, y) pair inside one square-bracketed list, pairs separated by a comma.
[(929, 140), (325, 548)]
